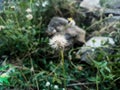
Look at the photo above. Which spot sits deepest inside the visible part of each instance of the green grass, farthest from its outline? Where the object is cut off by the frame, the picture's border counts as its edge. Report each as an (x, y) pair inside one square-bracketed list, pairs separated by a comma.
[(30, 63)]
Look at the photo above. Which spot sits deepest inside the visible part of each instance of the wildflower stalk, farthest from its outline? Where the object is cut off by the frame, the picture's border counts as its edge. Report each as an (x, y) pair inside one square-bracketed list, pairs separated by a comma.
[(31, 3), (97, 84), (63, 67), (32, 66), (17, 20), (3, 20), (59, 42)]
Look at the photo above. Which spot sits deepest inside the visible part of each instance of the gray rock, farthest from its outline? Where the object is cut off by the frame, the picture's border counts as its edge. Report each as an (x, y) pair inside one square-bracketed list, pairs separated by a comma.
[(113, 4), (106, 7), (62, 26), (90, 5), (87, 52)]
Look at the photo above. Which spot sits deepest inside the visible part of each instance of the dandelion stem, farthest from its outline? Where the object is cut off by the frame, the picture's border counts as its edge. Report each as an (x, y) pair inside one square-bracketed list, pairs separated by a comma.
[(63, 67)]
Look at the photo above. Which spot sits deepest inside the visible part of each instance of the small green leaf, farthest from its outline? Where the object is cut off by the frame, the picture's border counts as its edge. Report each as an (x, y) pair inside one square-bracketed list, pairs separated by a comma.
[(4, 80)]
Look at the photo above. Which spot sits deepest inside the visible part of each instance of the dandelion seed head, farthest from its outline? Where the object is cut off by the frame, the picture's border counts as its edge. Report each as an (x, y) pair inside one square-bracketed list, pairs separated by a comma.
[(45, 3), (2, 27), (56, 87), (110, 15), (12, 7), (58, 42), (28, 10), (29, 16), (47, 84), (63, 89)]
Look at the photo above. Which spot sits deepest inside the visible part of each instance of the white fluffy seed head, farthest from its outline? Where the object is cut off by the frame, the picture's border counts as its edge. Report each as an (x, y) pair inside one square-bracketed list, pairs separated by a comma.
[(58, 42), (28, 10), (56, 87), (12, 7), (47, 84), (29, 16), (2, 27), (45, 3)]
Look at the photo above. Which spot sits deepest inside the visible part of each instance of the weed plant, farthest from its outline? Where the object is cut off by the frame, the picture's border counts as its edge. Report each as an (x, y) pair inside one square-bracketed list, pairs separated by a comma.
[(28, 62)]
